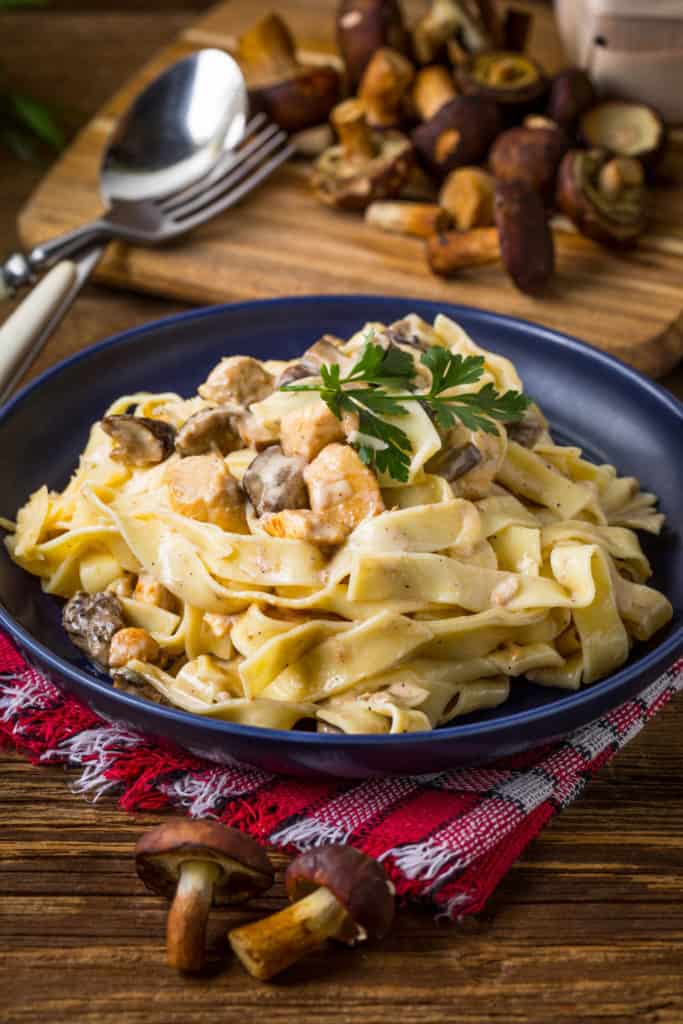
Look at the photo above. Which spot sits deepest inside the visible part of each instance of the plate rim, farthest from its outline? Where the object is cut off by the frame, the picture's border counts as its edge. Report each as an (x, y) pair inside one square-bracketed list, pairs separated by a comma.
[(649, 665)]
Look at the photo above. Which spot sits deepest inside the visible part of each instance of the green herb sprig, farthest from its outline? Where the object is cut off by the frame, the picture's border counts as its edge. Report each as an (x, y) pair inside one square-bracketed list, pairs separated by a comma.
[(387, 379)]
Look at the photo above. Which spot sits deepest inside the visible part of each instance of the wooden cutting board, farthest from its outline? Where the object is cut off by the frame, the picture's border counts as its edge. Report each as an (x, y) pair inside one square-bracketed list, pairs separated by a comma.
[(279, 241)]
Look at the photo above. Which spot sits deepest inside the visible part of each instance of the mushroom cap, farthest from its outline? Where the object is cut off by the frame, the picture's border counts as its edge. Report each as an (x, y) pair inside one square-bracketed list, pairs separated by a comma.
[(504, 76), (159, 854), (363, 26), (617, 220), (459, 134), (352, 185), (625, 128), (139, 440), (571, 94), (357, 881), (300, 100)]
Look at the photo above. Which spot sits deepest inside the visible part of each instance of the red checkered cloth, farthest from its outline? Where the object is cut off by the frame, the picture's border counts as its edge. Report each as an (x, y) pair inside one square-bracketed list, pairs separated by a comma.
[(445, 839)]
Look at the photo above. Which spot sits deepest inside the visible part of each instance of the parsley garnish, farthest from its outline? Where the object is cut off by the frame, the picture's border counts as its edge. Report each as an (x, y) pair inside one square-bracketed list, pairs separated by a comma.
[(384, 376)]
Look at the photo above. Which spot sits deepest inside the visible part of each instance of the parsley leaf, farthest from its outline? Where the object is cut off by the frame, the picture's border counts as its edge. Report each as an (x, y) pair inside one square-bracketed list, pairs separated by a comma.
[(384, 372)]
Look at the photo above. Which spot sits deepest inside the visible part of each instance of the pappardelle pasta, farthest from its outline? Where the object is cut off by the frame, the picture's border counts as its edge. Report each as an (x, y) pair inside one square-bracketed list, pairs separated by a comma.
[(367, 560)]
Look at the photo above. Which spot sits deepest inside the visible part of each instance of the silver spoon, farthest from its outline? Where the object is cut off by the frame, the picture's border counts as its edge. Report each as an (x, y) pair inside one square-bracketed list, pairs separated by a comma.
[(176, 131), (170, 137)]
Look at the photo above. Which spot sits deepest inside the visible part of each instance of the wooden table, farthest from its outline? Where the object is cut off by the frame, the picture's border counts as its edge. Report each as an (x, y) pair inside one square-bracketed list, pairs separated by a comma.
[(588, 926)]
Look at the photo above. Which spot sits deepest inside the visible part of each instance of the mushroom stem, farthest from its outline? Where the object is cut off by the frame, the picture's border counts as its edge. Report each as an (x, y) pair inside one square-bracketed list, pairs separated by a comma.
[(383, 87), (403, 218), (268, 47), (353, 130), (186, 923), (268, 946), (455, 250), (433, 87)]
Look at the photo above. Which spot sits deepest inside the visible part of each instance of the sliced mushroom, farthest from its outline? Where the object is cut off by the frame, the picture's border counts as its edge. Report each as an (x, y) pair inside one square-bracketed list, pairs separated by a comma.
[(208, 430), (459, 133), (274, 481), (237, 380), (384, 88), (418, 219), (604, 198), (296, 371), (447, 19), (327, 349), (336, 892), (293, 95), (530, 153), (526, 241), (625, 129), (139, 441), (571, 95), (365, 165), (91, 620), (467, 196), (529, 429), (512, 79), (458, 461), (363, 27), (197, 865)]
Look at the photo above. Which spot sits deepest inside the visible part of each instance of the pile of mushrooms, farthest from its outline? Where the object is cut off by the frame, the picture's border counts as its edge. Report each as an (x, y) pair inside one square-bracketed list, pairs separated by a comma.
[(335, 892), (448, 131)]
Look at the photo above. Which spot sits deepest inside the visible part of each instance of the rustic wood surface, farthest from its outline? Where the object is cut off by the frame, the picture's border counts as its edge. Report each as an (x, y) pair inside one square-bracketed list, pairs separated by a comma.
[(630, 304), (586, 929)]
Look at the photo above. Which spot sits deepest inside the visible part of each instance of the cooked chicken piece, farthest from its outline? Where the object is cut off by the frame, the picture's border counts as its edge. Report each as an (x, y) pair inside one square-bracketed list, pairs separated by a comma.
[(341, 488), (238, 379), (302, 524), (308, 430), (150, 591), (275, 481), (130, 643), (255, 434), (202, 488)]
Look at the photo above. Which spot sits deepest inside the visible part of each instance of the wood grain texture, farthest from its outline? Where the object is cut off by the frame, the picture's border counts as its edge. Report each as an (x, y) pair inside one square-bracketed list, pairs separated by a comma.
[(629, 304), (586, 929)]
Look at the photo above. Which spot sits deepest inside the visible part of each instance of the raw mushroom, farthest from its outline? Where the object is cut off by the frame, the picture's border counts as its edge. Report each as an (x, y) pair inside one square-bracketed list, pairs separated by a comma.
[(208, 430), (511, 79), (467, 196), (91, 621), (571, 95), (603, 197), (526, 241), (295, 96), (366, 165), (403, 218), (384, 87), (459, 133), (625, 129), (197, 865), (530, 153), (433, 87), (452, 251), (274, 481), (335, 892), (139, 441), (363, 27), (445, 19)]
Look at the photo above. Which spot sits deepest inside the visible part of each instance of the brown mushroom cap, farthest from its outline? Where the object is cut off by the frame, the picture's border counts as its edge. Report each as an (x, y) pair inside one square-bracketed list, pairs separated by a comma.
[(571, 94), (594, 202), (459, 133), (245, 868), (139, 441), (529, 154), (357, 881), (295, 96), (363, 26), (504, 76)]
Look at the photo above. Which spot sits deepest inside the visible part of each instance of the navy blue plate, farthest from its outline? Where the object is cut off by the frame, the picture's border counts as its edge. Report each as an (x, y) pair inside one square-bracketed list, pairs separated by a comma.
[(594, 401)]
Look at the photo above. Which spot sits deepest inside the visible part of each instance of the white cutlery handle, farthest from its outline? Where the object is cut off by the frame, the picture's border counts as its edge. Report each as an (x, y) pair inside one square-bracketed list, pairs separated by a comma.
[(19, 332)]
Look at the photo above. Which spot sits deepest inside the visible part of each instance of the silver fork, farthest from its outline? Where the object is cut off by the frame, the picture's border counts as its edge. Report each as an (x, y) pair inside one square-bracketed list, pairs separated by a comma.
[(147, 222)]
